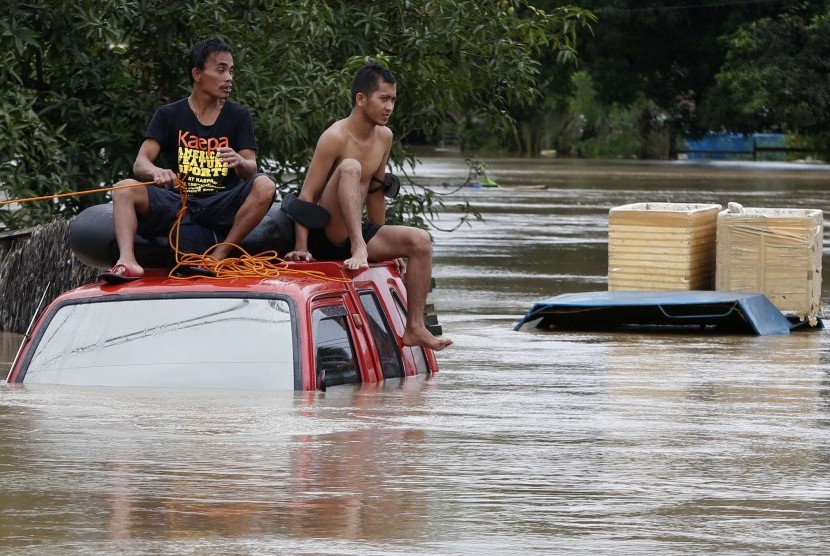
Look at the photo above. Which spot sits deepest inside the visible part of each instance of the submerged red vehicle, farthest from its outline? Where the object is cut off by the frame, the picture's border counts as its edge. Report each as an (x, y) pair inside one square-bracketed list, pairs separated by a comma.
[(319, 326)]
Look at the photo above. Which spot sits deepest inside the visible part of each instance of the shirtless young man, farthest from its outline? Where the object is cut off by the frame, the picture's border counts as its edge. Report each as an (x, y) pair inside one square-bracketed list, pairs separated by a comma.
[(351, 154), (208, 141)]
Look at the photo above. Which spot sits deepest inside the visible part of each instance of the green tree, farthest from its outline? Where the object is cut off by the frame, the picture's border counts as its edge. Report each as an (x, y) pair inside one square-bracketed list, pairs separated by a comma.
[(776, 78), (664, 56), (80, 79), (83, 76), (547, 121)]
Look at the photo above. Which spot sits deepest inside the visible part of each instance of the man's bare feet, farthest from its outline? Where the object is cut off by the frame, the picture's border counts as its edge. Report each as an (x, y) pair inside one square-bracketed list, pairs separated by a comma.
[(131, 268), (359, 259), (121, 273), (423, 337)]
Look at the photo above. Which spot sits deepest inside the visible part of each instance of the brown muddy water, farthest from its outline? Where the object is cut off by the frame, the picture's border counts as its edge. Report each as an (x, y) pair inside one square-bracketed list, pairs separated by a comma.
[(526, 442)]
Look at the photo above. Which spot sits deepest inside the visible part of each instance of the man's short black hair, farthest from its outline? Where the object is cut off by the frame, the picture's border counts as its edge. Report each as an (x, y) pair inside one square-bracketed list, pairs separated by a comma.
[(202, 50), (367, 79)]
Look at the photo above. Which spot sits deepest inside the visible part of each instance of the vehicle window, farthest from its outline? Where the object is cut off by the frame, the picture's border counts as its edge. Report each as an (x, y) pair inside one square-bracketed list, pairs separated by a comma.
[(390, 358), (194, 342), (420, 360), (334, 354), (418, 356)]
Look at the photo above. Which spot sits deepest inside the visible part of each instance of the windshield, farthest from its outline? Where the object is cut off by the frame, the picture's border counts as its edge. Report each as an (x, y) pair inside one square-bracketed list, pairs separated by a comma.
[(197, 342)]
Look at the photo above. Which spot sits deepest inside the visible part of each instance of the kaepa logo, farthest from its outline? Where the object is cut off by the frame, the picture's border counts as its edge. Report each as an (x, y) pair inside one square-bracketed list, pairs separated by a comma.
[(186, 139)]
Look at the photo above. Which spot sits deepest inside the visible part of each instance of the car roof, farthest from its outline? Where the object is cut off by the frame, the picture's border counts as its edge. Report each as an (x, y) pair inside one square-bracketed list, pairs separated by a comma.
[(299, 280)]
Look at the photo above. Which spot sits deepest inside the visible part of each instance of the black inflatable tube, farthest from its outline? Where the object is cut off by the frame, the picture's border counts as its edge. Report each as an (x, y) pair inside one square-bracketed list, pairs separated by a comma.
[(92, 239)]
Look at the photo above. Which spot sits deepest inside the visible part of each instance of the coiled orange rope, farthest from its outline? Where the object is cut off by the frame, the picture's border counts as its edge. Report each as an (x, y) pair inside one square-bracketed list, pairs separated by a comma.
[(263, 265)]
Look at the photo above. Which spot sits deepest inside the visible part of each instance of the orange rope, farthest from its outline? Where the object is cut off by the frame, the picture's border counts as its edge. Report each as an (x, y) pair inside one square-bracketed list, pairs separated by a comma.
[(264, 265), (74, 193)]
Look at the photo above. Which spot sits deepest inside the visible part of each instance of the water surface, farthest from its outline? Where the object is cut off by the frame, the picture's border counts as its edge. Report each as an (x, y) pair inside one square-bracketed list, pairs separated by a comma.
[(525, 443)]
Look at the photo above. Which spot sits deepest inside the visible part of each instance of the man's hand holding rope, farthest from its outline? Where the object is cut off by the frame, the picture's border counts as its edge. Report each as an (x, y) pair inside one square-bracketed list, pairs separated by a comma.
[(164, 177)]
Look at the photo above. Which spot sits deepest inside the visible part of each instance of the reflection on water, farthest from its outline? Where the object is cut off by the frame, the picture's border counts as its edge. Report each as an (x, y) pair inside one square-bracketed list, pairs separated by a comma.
[(526, 442)]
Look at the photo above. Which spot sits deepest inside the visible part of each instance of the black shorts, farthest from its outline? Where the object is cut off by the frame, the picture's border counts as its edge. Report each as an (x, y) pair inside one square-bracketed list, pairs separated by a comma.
[(323, 250), (207, 221)]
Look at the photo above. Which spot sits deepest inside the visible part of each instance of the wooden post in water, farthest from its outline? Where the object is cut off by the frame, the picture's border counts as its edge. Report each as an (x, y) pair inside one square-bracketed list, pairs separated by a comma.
[(29, 264)]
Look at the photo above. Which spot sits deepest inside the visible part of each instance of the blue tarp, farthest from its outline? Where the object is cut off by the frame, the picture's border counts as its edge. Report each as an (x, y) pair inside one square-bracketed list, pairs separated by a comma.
[(720, 146)]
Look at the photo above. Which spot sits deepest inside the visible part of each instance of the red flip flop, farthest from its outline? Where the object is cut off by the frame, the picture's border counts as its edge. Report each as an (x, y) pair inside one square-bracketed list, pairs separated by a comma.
[(118, 274)]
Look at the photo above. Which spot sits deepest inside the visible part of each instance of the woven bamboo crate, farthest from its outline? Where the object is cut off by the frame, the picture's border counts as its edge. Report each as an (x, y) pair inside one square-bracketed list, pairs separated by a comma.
[(776, 252), (662, 246)]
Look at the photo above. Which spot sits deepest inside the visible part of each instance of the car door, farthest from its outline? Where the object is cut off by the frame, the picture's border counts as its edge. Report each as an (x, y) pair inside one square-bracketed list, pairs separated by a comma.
[(340, 348)]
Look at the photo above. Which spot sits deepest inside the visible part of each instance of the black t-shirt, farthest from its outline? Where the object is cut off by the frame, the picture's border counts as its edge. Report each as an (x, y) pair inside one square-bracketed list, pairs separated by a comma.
[(189, 148)]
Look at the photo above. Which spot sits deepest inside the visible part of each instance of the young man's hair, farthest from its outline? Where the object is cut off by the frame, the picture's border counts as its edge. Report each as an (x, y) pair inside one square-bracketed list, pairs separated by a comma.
[(202, 50), (367, 80)]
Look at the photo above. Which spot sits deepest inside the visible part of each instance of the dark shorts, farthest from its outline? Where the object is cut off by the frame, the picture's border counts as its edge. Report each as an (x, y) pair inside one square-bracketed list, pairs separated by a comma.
[(207, 221), (323, 250)]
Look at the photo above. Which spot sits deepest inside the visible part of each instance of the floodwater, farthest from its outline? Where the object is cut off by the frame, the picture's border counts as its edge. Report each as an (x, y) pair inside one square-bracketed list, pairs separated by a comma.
[(526, 442)]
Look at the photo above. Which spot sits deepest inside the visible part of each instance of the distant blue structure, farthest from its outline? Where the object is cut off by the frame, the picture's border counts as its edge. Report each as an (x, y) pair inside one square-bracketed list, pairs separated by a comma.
[(723, 146)]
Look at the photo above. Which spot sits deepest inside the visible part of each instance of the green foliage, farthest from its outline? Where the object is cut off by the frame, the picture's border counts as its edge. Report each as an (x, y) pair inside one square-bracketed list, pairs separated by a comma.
[(79, 86), (660, 59), (605, 132), (533, 122), (32, 160), (775, 79), (83, 77)]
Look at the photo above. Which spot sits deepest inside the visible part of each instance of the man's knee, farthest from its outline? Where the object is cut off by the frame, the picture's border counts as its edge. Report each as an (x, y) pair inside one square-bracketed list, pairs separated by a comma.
[(418, 243), (263, 189), (350, 167), (133, 195)]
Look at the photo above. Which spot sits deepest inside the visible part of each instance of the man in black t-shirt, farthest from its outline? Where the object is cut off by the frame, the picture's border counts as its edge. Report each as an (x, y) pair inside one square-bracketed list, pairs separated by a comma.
[(207, 141)]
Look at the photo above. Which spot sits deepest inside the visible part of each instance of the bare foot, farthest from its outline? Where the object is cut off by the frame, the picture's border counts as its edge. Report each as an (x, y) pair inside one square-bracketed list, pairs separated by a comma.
[(359, 259), (129, 268), (121, 273), (423, 337)]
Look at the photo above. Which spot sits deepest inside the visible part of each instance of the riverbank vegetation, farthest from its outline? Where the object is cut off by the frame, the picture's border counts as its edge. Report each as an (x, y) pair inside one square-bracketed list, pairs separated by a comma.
[(653, 73)]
